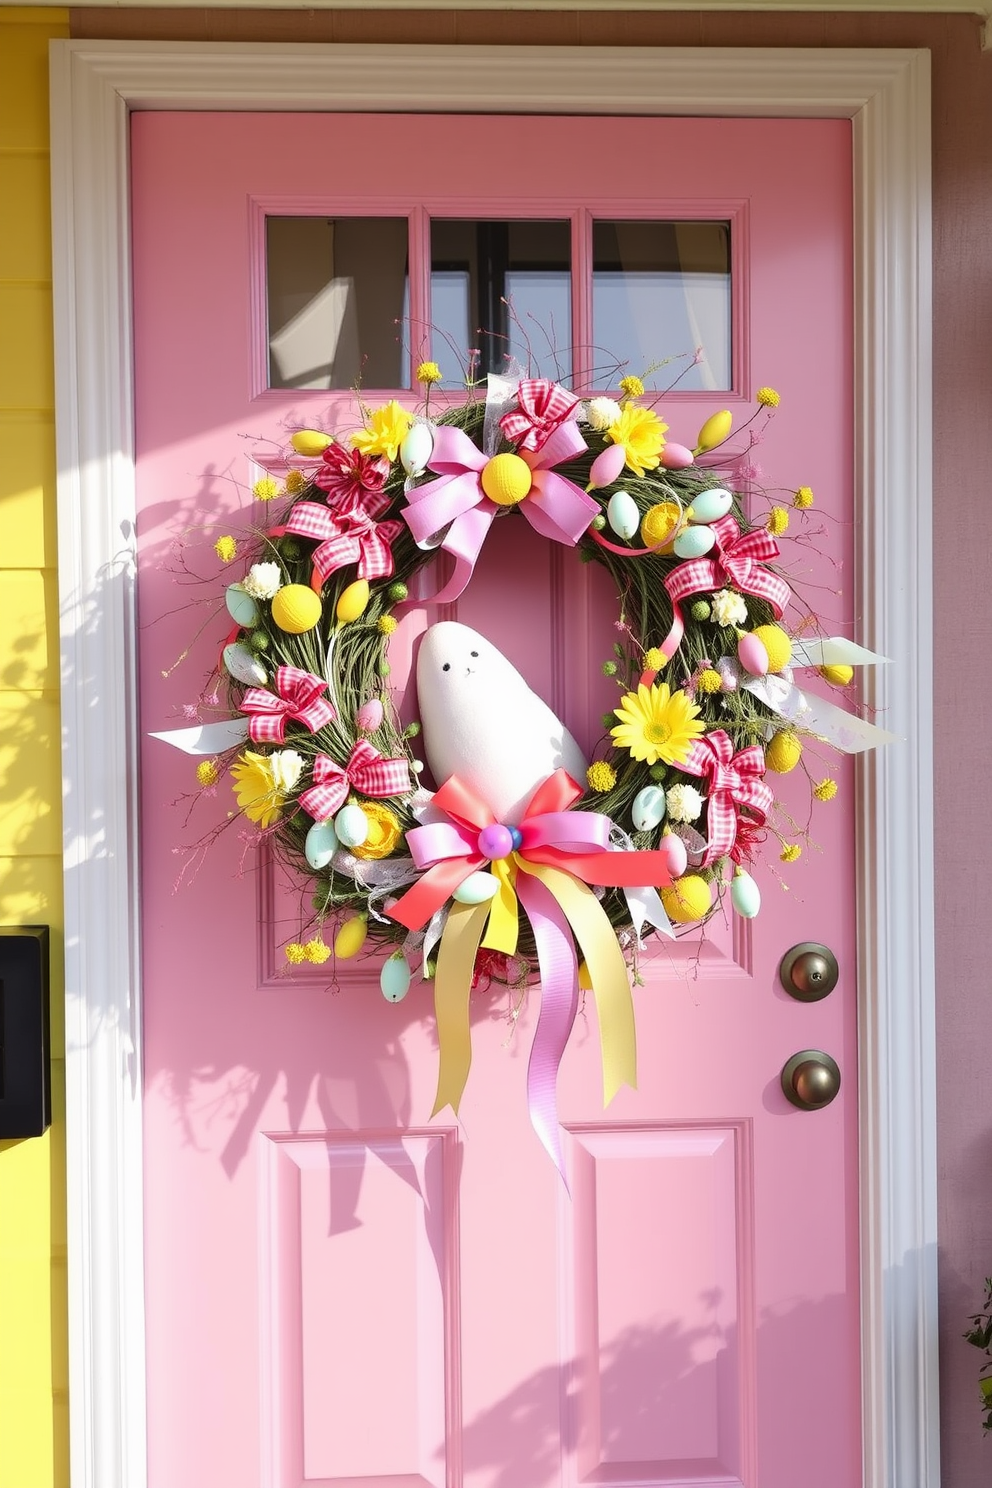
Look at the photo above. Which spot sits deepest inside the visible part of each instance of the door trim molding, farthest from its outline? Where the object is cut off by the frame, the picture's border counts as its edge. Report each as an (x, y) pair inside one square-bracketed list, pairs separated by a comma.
[(886, 93)]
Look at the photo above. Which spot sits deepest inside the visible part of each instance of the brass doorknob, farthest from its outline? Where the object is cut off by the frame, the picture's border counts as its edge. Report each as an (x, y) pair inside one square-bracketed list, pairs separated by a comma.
[(809, 971), (811, 1079)]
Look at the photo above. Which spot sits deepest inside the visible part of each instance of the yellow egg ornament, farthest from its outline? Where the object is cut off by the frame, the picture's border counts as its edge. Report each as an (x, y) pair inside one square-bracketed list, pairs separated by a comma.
[(506, 479), (295, 608), (777, 644), (687, 899), (351, 937), (310, 442), (715, 430), (783, 752), (840, 676), (352, 601)]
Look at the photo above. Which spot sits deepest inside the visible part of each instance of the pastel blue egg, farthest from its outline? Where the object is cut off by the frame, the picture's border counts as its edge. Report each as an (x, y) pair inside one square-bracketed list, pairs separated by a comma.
[(709, 506), (693, 542), (240, 606), (648, 808), (416, 449), (321, 844), (745, 896), (394, 979), (478, 888), (352, 826), (622, 514), (244, 666)]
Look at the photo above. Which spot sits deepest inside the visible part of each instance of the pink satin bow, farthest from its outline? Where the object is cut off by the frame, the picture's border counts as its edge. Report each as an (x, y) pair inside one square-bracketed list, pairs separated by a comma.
[(367, 771), (299, 699), (554, 506), (542, 406), (734, 780), (741, 563), (349, 535)]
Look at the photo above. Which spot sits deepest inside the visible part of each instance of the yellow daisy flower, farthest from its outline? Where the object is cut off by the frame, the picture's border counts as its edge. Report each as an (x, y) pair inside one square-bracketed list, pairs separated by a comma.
[(385, 431), (642, 434), (601, 777), (384, 831), (657, 724), (254, 785), (225, 548), (768, 397)]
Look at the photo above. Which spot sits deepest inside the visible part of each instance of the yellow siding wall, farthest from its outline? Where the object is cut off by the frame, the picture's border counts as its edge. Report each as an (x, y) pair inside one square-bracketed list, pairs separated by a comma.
[(33, 1353)]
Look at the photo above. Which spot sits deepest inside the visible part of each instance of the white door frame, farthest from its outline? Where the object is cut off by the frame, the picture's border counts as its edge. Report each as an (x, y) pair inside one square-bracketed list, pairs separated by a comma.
[(886, 94)]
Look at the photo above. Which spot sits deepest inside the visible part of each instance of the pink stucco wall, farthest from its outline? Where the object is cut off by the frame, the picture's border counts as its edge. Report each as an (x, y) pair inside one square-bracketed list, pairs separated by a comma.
[(962, 117)]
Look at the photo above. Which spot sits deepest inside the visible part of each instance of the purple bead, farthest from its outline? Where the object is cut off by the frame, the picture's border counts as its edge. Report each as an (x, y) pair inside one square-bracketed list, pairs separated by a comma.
[(518, 838), (495, 841)]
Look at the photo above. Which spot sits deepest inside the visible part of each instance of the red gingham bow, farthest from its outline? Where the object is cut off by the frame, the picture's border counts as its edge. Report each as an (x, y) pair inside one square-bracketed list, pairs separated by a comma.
[(367, 771), (543, 406), (740, 563), (348, 536), (734, 780), (299, 698)]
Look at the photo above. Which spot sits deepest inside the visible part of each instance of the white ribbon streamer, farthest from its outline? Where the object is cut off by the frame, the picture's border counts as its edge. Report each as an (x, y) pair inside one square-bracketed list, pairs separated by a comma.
[(834, 651), (207, 738), (843, 730)]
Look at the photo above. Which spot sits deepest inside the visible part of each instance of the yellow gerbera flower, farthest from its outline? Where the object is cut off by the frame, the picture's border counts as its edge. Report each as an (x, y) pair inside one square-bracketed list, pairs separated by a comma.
[(385, 431), (657, 724), (254, 785), (642, 434), (384, 831)]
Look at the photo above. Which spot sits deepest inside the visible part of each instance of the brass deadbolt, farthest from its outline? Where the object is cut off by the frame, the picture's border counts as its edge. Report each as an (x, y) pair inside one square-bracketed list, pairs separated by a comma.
[(809, 971)]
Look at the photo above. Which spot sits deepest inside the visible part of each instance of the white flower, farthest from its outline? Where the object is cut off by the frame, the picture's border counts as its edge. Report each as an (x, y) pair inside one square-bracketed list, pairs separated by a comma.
[(287, 767), (728, 608), (684, 803), (602, 413), (263, 580)]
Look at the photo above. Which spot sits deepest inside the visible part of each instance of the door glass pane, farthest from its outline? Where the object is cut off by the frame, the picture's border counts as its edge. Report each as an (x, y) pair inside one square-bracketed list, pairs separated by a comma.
[(337, 299), (659, 290), (501, 289)]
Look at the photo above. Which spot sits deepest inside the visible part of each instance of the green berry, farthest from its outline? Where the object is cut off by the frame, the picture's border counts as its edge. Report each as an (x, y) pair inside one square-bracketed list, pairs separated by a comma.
[(384, 667), (397, 591), (289, 549), (598, 522), (609, 668), (412, 730), (701, 610), (658, 772), (259, 640)]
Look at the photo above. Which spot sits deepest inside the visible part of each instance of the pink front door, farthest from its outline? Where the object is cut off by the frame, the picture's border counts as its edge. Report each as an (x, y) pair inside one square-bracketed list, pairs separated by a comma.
[(339, 1290)]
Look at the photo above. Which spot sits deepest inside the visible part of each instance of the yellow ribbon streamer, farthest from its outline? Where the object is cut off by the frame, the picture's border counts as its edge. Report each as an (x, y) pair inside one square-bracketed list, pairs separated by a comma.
[(607, 971), (504, 915), (452, 989)]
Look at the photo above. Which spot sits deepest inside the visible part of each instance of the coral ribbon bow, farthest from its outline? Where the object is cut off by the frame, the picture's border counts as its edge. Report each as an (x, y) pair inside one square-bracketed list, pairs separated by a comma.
[(554, 506), (741, 563), (299, 698), (367, 771), (349, 535), (734, 780), (560, 853)]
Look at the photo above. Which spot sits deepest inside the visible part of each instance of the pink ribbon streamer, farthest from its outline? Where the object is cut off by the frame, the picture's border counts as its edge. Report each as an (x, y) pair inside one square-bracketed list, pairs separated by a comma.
[(367, 771), (542, 406), (299, 698), (559, 1005), (734, 780), (350, 535), (740, 562), (555, 506)]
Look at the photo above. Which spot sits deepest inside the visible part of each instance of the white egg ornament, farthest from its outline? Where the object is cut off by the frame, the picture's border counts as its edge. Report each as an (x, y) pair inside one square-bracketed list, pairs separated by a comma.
[(622, 514), (710, 505), (478, 888), (416, 449), (240, 606), (321, 844), (394, 978), (351, 825), (244, 666), (745, 895), (648, 808), (694, 542)]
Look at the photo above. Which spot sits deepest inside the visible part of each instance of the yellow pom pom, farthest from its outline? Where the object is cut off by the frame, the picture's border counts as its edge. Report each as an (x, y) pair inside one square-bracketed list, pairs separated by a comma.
[(709, 681), (632, 387), (351, 937), (310, 442), (428, 372), (601, 776), (352, 601), (840, 676), (803, 498), (768, 397), (654, 659), (316, 951), (506, 479), (660, 524), (715, 430), (783, 752), (207, 773), (791, 852), (295, 953), (295, 608), (778, 521), (386, 624), (826, 790), (687, 899), (295, 481), (225, 548), (265, 489), (777, 644)]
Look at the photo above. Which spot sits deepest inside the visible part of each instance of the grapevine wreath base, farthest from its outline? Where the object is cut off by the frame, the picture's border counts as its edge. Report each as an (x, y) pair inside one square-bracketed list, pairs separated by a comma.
[(668, 819)]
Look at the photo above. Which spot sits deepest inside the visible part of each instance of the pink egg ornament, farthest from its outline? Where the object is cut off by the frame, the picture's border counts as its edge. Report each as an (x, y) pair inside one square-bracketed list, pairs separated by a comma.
[(675, 852), (752, 655), (606, 467), (675, 457)]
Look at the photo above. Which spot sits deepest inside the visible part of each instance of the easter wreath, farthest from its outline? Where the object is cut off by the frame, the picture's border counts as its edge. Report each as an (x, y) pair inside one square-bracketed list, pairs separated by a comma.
[(677, 800)]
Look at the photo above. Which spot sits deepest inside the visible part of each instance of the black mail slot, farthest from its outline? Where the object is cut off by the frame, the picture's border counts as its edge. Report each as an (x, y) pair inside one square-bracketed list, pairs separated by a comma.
[(25, 1034)]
